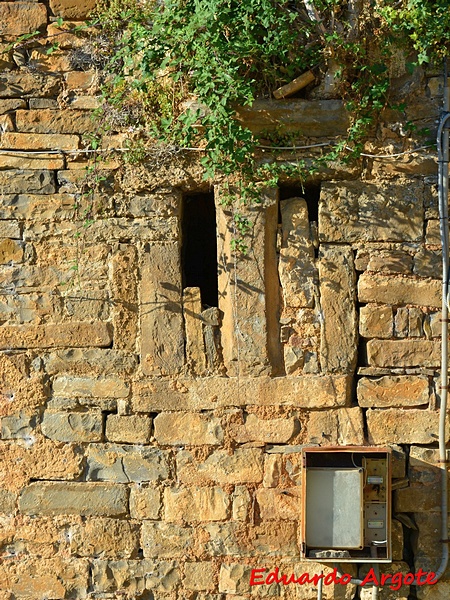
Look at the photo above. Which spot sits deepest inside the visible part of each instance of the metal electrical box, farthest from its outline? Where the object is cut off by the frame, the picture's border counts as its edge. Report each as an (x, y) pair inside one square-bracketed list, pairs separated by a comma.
[(346, 504)]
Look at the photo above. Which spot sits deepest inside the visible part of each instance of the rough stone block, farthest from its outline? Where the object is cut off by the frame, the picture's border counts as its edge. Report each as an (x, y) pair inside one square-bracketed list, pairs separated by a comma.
[(121, 464), (165, 540), (374, 287), (311, 391), (37, 458), (359, 211), (39, 141), (254, 429), (396, 426), (187, 428), (51, 578), (417, 498), (244, 465), (311, 119), (162, 330), (376, 321), (25, 181), (7, 501), (11, 104), (66, 498), (234, 578), (75, 335), (21, 85), (199, 576), (101, 387), (19, 426), (275, 503), (393, 391), (338, 343), (423, 466), (196, 504), (428, 263), (403, 353), (139, 577), (17, 18), (132, 429), (68, 121), (38, 162), (72, 427), (89, 361), (72, 9), (241, 503), (105, 537), (145, 503)]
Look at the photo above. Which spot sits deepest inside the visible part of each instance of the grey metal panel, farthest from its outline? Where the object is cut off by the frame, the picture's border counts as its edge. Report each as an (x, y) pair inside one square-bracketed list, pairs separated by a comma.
[(334, 508)]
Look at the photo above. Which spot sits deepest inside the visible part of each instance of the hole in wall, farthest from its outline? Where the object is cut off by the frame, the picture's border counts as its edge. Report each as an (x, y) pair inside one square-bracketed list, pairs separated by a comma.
[(199, 245)]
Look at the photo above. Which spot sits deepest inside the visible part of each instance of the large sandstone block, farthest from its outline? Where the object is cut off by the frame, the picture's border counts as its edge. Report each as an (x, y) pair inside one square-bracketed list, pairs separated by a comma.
[(393, 391), (244, 465), (145, 502), (122, 464), (50, 578), (311, 119), (355, 211), (403, 353), (311, 391), (37, 458), (165, 540), (138, 577), (17, 18), (128, 429), (22, 84), (76, 335), (396, 426), (97, 387), (339, 336), (199, 575), (39, 141), (72, 9), (72, 427), (343, 427), (376, 321), (272, 431), (105, 537), (19, 181), (54, 121), (66, 498), (275, 503), (244, 330), (399, 290), (162, 330), (177, 429), (196, 504)]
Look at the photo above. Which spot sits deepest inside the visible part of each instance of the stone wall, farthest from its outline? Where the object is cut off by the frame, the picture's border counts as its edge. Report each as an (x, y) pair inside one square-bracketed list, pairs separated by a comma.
[(150, 445)]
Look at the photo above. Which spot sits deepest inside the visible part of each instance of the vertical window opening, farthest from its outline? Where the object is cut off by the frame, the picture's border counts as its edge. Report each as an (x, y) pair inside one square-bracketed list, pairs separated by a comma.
[(199, 246)]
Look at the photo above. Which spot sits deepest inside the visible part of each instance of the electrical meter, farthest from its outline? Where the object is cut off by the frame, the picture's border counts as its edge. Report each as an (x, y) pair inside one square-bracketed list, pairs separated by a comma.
[(346, 504)]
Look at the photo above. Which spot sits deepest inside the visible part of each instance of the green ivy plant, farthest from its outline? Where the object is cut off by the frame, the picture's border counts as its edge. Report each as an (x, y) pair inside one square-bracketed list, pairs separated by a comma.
[(177, 69)]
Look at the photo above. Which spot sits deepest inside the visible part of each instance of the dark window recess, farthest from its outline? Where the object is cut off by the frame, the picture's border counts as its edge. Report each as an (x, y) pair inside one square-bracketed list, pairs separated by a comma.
[(199, 246), (310, 192)]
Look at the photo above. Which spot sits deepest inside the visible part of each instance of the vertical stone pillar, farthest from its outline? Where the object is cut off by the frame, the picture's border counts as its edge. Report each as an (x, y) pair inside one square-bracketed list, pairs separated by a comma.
[(339, 337), (162, 330), (242, 289), (195, 347)]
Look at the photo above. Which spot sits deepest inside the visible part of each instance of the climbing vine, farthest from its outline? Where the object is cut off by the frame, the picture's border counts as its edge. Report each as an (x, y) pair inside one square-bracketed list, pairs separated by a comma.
[(178, 69)]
